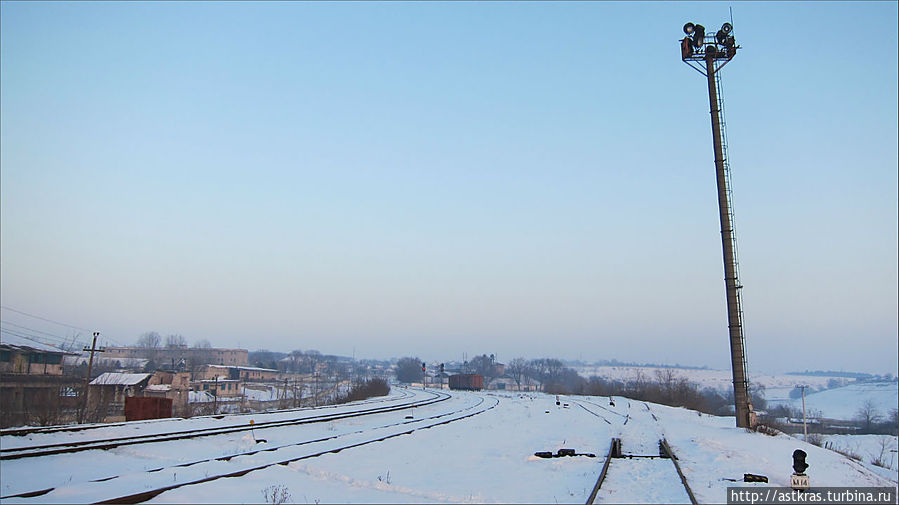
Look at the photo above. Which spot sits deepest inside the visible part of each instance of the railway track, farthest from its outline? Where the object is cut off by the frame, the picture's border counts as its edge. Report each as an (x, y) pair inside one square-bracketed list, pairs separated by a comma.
[(615, 453), (110, 443), (292, 452), (640, 466), (23, 432)]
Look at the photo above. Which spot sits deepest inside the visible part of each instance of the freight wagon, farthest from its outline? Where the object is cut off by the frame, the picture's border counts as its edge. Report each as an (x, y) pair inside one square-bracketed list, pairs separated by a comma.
[(466, 381)]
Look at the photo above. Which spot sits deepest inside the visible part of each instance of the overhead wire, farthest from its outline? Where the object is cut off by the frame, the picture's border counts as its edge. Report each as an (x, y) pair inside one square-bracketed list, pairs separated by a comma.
[(43, 318), (103, 336)]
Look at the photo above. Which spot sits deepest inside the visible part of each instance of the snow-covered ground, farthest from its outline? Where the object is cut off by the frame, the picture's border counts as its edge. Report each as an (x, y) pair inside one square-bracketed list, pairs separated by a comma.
[(485, 457), (845, 402), (869, 449)]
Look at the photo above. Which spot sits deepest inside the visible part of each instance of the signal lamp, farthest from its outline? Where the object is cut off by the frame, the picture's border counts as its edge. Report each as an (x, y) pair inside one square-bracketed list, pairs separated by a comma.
[(698, 35), (727, 27), (721, 36), (688, 28), (686, 48)]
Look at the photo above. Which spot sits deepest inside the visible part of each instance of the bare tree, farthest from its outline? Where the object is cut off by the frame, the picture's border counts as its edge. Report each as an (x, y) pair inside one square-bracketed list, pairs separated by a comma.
[(409, 369), (174, 341), (150, 343), (483, 365), (868, 415), (149, 340), (518, 368)]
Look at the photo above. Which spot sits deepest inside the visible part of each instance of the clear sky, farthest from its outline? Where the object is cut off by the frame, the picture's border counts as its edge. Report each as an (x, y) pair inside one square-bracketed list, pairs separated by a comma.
[(525, 179)]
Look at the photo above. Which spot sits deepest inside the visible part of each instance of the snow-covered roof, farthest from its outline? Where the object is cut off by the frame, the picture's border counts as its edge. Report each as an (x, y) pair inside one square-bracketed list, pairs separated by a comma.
[(199, 397), (25, 344), (120, 379), (124, 362), (159, 387), (252, 368)]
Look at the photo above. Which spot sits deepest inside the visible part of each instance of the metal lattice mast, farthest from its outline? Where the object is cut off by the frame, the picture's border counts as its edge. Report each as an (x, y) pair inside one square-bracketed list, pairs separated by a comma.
[(708, 55)]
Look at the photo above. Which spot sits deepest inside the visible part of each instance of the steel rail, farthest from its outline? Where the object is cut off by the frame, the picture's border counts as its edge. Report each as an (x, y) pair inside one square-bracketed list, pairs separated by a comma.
[(147, 495), (30, 494), (21, 432), (70, 447)]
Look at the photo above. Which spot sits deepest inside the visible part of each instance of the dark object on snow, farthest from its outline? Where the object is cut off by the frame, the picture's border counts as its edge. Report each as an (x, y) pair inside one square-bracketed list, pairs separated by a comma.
[(751, 477), (799, 464), (561, 453)]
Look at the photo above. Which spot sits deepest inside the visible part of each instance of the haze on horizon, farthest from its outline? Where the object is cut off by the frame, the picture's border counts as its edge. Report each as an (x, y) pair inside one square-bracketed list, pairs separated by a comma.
[(432, 179)]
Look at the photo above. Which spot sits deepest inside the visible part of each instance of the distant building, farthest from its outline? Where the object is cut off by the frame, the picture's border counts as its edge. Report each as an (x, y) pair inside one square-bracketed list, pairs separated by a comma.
[(23, 356), (242, 373), (31, 380), (171, 356), (107, 393), (172, 385)]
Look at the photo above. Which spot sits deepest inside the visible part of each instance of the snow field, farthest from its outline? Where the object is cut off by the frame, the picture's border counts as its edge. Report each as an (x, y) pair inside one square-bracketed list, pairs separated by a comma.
[(485, 458)]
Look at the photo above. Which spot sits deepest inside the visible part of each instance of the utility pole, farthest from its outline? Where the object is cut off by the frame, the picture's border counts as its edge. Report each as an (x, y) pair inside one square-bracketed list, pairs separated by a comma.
[(87, 380), (804, 424), (708, 55)]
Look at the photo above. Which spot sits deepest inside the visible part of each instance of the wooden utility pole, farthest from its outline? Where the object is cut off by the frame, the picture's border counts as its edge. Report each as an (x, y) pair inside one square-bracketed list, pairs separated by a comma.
[(804, 424), (215, 395), (87, 380)]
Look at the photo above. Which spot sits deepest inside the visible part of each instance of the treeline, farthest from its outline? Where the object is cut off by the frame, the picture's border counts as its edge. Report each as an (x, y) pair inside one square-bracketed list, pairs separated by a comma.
[(665, 386), (363, 389), (615, 362)]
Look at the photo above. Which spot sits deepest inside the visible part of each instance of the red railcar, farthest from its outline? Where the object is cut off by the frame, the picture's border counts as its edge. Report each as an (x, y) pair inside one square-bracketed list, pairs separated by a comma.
[(138, 408), (467, 381)]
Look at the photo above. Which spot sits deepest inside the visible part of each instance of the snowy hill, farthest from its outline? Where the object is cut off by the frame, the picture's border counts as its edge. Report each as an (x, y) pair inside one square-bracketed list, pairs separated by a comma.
[(844, 402)]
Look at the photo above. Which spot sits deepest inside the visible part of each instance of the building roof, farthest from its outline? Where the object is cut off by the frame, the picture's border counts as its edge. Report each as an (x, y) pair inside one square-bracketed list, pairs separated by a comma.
[(159, 387), (25, 344), (251, 368), (120, 379)]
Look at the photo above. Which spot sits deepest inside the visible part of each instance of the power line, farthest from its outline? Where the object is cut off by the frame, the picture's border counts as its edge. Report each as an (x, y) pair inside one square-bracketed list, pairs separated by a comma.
[(63, 339), (44, 318), (26, 337)]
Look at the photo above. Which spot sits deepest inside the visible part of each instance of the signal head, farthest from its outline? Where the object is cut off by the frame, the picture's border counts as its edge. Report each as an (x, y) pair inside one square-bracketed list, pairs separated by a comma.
[(727, 28), (721, 36), (688, 28), (698, 35)]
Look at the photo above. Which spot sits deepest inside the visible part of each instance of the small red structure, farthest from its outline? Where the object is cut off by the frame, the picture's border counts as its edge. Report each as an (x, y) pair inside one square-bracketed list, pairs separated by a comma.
[(466, 381), (138, 408)]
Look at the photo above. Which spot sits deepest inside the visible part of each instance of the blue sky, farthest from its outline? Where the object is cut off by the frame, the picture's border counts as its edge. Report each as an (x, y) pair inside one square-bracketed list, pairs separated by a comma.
[(525, 179)]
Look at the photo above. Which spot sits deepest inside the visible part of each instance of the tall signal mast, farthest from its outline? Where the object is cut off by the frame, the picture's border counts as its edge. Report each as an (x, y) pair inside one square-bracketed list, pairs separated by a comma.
[(708, 54)]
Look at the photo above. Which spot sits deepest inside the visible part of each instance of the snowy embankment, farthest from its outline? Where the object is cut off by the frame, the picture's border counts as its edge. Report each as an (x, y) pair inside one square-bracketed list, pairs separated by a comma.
[(487, 457)]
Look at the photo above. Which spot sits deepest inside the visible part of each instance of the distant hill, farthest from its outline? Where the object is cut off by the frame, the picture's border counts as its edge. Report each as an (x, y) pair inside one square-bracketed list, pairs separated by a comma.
[(831, 373)]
